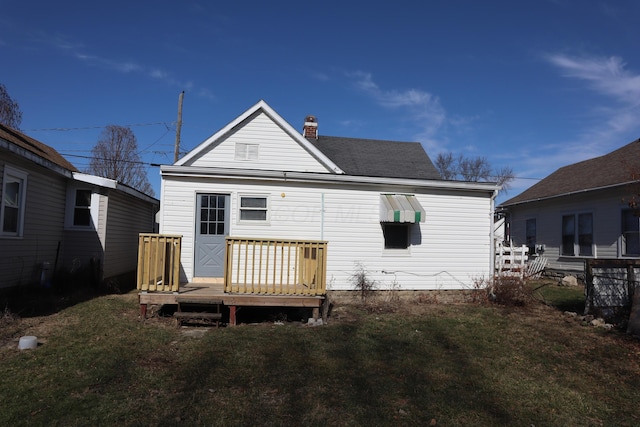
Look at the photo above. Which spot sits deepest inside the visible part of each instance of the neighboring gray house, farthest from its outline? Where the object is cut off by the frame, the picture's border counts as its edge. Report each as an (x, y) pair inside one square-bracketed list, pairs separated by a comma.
[(378, 204), (54, 218), (580, 211)]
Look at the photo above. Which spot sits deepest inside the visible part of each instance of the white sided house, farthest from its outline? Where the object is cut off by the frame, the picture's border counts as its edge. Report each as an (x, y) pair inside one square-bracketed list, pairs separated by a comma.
[(58, 225), (381, 206)]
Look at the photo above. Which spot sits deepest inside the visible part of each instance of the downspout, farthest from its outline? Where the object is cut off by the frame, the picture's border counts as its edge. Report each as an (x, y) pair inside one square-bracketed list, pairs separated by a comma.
[(322, 216), (492, 266)]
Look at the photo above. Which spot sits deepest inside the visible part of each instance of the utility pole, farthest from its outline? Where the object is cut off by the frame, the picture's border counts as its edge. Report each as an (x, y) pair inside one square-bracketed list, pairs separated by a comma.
[(178, 128)]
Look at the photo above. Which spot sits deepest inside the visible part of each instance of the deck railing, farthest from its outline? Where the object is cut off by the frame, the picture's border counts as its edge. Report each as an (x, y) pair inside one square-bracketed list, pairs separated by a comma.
[(159, 262), (280, 267)]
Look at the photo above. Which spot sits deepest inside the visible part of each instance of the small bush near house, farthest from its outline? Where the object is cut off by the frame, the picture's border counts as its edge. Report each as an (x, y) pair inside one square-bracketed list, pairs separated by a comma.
[(505, 290), (362, 283), (511, 290)]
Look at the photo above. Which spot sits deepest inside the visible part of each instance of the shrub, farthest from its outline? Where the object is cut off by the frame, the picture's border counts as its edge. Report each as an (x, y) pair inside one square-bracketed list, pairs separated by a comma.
[(509, 290), (361, 281)]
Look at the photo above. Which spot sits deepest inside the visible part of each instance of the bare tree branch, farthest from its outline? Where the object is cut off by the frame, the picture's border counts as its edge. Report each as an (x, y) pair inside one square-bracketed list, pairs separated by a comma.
[(473, 169), (115, 156), (10, 113)]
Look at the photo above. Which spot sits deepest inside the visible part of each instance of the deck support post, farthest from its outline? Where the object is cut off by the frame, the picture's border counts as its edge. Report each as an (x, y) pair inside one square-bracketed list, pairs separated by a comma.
[(232, 315), (143, 311), (316, 313)]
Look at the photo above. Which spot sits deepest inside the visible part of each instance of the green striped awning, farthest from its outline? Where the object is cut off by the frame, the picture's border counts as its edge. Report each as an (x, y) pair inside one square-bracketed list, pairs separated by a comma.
[(400, 208)]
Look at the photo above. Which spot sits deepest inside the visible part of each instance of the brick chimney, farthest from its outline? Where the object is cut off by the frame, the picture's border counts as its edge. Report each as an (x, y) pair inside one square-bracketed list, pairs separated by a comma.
[(310, 129)]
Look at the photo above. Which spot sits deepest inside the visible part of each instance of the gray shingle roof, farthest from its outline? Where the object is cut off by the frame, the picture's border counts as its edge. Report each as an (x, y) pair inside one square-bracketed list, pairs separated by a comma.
[(36, 147), (372, 157), (615, 168)]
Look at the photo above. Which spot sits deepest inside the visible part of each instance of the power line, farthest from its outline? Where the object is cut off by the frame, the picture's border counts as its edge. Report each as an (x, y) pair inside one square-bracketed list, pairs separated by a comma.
[(98, 127), (108, 160)]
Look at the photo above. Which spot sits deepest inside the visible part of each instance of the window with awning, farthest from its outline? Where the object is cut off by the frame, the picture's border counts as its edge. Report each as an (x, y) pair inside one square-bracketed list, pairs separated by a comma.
[(401, 208)]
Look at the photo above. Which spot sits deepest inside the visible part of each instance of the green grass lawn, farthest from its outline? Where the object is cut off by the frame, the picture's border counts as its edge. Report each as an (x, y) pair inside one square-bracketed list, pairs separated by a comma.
[(423, 364)]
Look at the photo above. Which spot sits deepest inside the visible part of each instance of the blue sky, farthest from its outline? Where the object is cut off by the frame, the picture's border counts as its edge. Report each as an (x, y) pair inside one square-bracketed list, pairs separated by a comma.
[(534, 85)]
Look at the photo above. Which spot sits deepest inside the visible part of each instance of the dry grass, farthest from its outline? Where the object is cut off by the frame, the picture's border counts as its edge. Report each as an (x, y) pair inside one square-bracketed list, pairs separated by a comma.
[(380, 363)]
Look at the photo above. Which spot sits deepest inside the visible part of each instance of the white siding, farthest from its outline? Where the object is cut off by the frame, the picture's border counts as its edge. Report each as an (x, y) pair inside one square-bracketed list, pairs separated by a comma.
[(448, 251), (127, 218), (277, 150), (21, 258), (84, 246), (605, 205), (115, 242)]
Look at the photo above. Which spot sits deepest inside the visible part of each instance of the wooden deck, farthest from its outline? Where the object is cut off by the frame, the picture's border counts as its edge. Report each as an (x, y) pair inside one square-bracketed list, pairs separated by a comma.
[(257, 272), (215, 292)]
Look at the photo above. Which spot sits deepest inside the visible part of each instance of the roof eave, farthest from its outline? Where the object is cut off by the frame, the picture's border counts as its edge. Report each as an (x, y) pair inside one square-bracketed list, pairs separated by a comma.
[(115, 185), (244, 174), (570, 193), (16, 149)]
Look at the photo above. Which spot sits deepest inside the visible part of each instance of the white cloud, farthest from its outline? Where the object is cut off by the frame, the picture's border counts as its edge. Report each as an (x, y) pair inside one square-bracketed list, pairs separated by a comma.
[(612, 122), (77, 51), (424, 108), (606, 76)]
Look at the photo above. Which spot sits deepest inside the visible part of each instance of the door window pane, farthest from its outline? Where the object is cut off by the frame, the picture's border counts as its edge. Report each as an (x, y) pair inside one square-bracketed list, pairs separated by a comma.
[(212, 214)]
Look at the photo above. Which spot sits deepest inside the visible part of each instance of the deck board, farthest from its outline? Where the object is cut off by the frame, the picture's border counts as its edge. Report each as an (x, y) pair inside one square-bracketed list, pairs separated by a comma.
[(205, 292)]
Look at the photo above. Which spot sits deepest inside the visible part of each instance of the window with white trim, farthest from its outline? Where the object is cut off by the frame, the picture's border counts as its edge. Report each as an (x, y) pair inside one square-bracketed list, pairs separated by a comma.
[(577, 235), (246, 151), (253, 208), (82, 208), (12, 208), (630, 233)]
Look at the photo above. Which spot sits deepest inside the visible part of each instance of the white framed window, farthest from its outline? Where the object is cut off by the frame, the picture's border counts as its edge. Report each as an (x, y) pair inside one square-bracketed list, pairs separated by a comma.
[(246, 151), (577, 235), (82, 208), (630, 233), (253, 208), (12, 208)]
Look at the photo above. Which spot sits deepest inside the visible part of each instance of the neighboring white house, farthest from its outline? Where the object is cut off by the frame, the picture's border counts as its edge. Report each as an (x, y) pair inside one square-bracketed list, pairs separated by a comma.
[(379, 204), (54, 218), (581, 211)]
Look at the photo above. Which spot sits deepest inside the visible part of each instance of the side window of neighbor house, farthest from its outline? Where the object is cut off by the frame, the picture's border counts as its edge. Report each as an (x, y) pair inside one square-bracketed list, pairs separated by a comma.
[(630, 233), (531, 235), (14, 185), (253, 208), (577, 235), (396, 236), (82, 208)]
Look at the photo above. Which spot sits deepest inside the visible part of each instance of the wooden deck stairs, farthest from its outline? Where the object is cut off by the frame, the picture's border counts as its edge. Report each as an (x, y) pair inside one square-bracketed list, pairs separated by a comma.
[(201, 311)]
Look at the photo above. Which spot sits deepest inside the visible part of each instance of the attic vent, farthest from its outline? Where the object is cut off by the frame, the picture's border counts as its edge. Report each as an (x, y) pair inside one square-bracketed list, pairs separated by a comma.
[(310, 129), (246, 151)]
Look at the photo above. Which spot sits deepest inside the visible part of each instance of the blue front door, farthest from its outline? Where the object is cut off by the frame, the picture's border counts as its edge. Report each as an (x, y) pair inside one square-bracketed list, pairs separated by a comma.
[(212, 225)]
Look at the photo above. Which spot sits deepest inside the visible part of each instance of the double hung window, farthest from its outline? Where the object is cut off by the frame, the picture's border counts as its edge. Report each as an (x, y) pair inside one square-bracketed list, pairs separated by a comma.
[(82, 209), (630, 233), (577, 235), (253, 208), (531, 235), (12, 208)]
